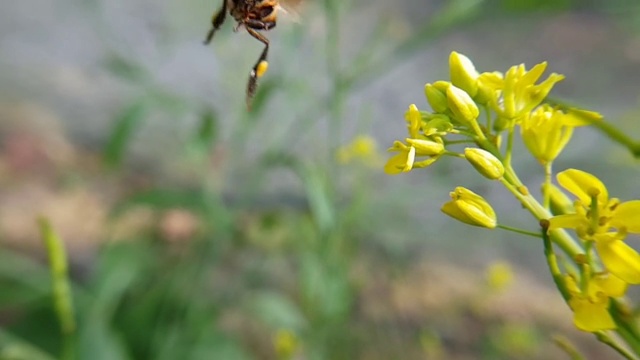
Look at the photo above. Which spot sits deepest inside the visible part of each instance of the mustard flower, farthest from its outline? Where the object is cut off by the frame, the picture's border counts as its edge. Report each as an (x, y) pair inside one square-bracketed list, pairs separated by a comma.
[(405, 160), (546, 131), (520, 93), (362, 148), (470, 208), (591, 305), (603, 221)]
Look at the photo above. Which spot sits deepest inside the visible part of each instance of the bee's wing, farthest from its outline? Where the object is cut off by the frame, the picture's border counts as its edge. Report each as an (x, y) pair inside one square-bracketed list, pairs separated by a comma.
[(290, 9)]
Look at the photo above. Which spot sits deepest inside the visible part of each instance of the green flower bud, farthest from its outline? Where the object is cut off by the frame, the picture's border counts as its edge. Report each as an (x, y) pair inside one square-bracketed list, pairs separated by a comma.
[(463, 73), (560, 202), (470, 208), (462, 106), (485, 162), (436, 95)]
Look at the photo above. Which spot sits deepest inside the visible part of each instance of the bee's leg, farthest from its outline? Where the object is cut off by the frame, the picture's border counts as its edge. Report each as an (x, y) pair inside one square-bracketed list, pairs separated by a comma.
[(216, 21), (261, 65)]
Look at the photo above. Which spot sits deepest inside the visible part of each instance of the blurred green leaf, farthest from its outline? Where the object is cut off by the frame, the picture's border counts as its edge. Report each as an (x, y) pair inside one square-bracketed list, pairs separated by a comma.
[(207, 133), (277, 311), (266, 89), (319, 200), (125, 68), (14, 348), (124, 127), (165, 198)]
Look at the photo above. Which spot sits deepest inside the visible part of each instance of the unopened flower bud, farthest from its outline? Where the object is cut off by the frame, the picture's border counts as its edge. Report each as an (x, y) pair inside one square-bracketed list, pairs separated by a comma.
[(470, 208), (463, 73), (426, 147), (436, 94), (462, 106), (485, 162)]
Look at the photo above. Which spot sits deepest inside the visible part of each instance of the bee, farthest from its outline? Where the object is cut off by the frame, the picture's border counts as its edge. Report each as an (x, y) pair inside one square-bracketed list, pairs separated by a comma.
[(254, 16)]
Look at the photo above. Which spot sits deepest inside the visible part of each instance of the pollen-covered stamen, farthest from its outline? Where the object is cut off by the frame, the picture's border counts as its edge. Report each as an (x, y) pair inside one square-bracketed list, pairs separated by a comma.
[(261, 68)]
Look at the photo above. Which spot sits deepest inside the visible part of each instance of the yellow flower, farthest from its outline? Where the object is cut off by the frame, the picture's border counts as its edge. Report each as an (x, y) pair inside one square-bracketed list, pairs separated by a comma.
[(546, 131), (591, 306), (470, 208), (499, 275), (285, 343), (602, 220), (520, 93), (363, 148), (405, 160)]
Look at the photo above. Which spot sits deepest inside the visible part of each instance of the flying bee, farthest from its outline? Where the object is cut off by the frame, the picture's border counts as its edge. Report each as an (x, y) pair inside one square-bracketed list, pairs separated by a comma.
[(255, 16)]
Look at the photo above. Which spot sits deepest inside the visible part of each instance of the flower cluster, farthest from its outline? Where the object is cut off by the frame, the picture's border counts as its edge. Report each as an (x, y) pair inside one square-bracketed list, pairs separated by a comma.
[(511, 101)]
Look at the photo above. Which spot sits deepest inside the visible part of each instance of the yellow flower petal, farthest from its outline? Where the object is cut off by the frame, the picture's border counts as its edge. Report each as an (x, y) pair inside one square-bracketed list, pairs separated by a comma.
[(620, 259), (627, 214), (591, 316), (610, 284), (583, 185), (567, 221)]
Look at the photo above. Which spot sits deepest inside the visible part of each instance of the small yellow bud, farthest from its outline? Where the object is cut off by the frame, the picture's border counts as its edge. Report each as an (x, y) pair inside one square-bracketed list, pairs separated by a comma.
[(470, 208), (436, 94), (261, 68), (462, 106), (463, 73), (485, 162)]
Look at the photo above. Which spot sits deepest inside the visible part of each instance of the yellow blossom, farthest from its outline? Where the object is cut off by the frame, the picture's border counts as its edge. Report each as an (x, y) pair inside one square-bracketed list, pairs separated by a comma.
[(546, 131), (591, 305), (499, 275), (602, 220), (405, 160), (520, 93), (362, 148)]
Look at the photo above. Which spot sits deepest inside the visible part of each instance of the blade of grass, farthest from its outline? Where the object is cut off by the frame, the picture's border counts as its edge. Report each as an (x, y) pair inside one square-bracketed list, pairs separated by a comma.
[(62, 298)]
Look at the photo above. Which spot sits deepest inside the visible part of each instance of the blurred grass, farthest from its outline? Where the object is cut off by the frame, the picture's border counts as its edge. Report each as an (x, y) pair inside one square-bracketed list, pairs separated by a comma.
[(245, 267)]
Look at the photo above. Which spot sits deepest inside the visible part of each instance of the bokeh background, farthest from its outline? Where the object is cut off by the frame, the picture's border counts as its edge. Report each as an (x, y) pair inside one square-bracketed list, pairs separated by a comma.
[(198, 230)]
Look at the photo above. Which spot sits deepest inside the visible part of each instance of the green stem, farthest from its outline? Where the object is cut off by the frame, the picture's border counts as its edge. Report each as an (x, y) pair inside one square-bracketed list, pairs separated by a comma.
[(546, 193), (519, 231), (615, 345), (508, 152), (552, 263), (566, 345), (487, 111), (560, 237)]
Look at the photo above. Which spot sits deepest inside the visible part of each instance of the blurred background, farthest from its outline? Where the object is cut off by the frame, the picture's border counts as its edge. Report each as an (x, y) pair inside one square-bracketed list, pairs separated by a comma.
[(198, 230)]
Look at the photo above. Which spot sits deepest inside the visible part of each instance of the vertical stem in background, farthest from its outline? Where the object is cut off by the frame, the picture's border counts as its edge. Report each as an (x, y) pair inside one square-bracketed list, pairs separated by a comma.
[(335, 99), (62, 298)]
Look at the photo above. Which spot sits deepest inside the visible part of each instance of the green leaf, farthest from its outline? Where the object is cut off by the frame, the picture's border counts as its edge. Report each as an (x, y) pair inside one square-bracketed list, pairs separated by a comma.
[(277, 311), (125, 124), (207, 133)]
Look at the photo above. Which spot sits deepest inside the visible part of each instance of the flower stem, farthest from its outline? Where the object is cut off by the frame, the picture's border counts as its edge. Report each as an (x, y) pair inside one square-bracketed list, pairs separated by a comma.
[(519, 231), (546, 193)]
